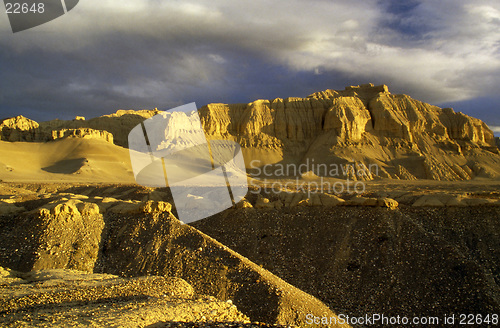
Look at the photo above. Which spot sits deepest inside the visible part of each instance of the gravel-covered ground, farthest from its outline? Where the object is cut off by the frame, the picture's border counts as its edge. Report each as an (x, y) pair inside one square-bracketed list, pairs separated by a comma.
[(209, 324), (67, 298)]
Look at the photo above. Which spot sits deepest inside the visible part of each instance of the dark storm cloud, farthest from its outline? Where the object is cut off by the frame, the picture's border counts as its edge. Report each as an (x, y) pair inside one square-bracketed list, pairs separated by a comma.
[(103, 56), (400, 18)]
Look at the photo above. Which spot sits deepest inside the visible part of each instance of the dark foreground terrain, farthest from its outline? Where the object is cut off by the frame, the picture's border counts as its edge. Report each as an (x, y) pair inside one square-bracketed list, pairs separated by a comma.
[(400, 249)]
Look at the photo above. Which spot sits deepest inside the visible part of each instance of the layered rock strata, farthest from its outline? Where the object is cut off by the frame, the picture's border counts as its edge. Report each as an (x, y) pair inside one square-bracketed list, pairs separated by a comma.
[(405, 138), (366, 125), (113, 128)]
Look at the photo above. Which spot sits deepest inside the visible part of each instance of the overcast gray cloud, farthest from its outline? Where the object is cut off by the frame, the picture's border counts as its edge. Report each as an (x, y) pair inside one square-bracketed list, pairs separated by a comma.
[(105, 55)]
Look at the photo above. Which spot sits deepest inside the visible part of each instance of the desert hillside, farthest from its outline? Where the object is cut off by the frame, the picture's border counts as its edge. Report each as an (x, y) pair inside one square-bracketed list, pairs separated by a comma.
[(407, 139), (364, 125), (69, 159), (82, 244)]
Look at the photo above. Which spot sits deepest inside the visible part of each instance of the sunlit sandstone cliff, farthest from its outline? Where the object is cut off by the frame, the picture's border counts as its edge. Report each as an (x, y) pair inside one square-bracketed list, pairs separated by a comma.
[(111, 128), (365, 124), (405, 138)]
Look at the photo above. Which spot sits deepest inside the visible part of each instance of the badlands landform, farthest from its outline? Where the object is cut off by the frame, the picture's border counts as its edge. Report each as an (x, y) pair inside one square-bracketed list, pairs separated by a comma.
[(407, 139), (82, 244)]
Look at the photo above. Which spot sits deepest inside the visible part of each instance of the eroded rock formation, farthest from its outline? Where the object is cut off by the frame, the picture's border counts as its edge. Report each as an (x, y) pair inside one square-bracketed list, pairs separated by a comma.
[(112, 128), (18, 128), (82, 133), (405, 138)]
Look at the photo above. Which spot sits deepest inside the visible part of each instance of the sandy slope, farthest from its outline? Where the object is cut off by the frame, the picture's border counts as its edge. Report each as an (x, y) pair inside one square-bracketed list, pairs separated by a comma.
[(71, 159)]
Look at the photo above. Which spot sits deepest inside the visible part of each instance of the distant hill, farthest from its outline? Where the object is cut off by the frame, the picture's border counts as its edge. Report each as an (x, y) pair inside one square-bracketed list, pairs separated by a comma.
[(112, 128), (67, 160), (366, 124), (363, 126)]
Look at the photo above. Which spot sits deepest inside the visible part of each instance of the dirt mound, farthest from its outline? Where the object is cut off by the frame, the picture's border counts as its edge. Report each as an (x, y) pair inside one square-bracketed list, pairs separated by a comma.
[(132, 238)]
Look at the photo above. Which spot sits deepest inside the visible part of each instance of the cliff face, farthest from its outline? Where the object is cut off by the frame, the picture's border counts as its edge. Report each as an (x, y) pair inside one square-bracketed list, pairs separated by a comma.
[(113, 128), (85, 133), (348, 114), (367, 125), (404, 137), (18, 128)]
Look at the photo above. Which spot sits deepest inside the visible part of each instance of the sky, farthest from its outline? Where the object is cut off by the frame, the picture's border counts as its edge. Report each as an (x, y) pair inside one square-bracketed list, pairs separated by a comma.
[(141, 54)]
